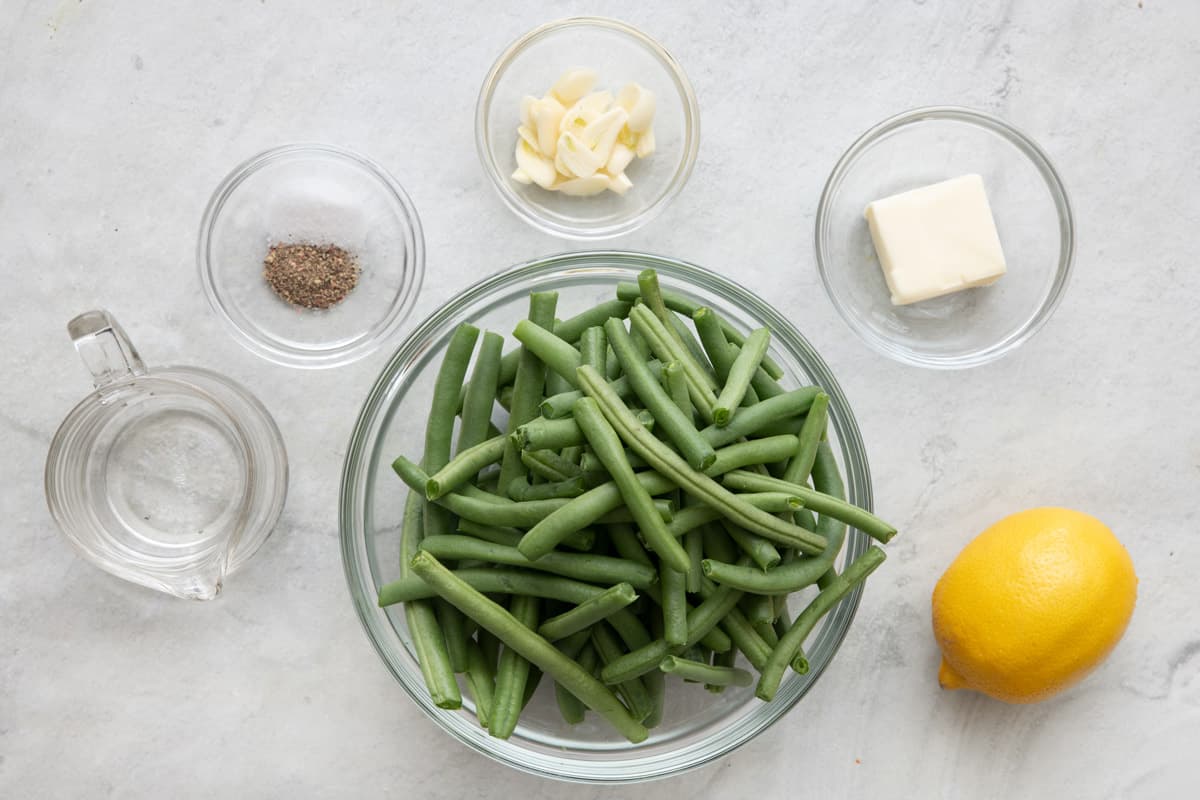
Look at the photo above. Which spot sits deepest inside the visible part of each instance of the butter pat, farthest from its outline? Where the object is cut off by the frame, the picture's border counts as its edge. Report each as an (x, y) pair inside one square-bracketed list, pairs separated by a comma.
[(936, 240)]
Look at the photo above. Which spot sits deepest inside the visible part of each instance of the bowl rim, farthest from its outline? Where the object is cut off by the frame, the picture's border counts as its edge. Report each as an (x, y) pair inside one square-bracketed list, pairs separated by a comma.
[(1024, 143), (271, 348), (499, 177), (361, 463)]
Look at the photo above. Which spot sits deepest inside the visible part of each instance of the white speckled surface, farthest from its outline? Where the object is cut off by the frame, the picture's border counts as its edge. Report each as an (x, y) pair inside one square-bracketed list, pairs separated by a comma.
[(118, 119)]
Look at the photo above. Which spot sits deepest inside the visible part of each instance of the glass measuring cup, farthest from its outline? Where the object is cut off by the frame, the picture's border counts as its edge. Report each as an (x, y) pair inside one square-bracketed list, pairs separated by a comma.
[(170, 478)]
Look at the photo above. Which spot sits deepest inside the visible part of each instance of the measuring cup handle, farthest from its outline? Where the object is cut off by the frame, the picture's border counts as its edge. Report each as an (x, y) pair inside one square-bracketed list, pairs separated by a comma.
[(105, 349)]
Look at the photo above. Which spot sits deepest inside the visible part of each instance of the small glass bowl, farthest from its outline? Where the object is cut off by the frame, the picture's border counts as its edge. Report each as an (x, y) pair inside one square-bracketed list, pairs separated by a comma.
[(698, 726), (620, 54), (1032, 214), (315, 194)]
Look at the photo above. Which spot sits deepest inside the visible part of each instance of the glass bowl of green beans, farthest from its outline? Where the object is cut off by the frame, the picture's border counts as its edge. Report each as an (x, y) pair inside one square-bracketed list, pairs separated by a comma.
[(697, 726)]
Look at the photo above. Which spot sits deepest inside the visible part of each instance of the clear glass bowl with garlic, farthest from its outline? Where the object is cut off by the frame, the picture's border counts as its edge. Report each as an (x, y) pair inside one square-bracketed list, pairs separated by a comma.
[(579, 141), (587, 128)]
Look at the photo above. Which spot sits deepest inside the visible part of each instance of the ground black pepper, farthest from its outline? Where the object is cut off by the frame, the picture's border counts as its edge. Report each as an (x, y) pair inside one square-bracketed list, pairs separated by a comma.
[(311, 275)]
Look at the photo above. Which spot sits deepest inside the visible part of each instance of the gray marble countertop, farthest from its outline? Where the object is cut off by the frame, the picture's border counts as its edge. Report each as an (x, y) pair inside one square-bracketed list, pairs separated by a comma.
[(118, 119)]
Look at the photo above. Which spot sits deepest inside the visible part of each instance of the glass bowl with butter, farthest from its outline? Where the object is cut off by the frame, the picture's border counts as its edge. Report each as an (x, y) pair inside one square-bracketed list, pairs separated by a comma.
[(587, 128), (944, 237)]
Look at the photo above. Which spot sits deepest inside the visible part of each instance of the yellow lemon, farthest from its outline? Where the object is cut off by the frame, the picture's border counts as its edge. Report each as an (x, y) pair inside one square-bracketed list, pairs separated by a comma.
[(1032, 605)]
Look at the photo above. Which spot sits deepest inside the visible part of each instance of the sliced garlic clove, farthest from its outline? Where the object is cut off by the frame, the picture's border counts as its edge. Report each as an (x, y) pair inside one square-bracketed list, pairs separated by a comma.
[(573, 84), (596, 102), (639, 103), (601, 134), (547, 115), (574, 158), (540, 169), (584, 187), (619, 183), (520, 176), (622, 157), (529, 137), (526, 106), (645, 145)]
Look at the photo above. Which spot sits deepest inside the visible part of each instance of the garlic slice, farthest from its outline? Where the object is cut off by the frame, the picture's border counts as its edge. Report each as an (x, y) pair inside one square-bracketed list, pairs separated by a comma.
[(645, 144), (573, 85), (529, 137), (526, 105), (622, 156), (547, 115), (639, 103), (601, 134), (619, 183), (584, 187), (540, 169), (573, 158)]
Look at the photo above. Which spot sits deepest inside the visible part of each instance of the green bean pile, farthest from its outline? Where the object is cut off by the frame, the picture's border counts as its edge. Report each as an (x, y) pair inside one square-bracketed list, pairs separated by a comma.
[(646, 512)]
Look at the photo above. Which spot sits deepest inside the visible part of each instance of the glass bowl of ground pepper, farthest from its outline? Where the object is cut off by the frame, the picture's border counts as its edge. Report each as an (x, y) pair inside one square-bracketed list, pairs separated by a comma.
[(311, 254)]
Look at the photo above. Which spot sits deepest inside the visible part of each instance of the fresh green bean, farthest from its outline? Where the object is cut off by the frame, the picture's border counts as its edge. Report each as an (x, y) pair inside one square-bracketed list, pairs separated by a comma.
[(480, 394), (583, 539), (666, 345), (700, 621), (820, 502), (580, 512), (689, 341), (756, 451), (476, 510), (746, 639), (677, 388), (588, 612), (791, 642), (669, 464), (633, 690), (606, 444), (727, 659), (549, 465), (454, 628), (676, 330), (674, 604), (593, 348), (683, 305), (760, 550), (758, 608), (481, 680), (656, 689), (712, 339), (504, 396), (428, 640), (580, 566), (800, 465), (625, 540), (753, 419), (767, 631), (698, 453), (512, 675), (555, 383), (521, 490), (718, 545), (557, 355), (571, 330), (704, 673), (495, 580), (464, 466), (528, 386), (555, 434), (570, 706), (528, 644), (740, 373), (693, 543), (621, 514), (439, 430), (560, 405)]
